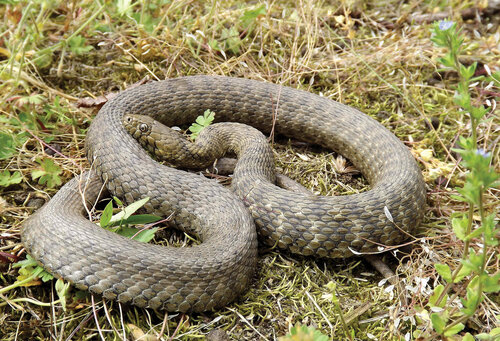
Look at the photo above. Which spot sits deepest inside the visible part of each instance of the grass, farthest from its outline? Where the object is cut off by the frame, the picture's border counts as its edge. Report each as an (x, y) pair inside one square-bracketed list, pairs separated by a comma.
[(370, 56)]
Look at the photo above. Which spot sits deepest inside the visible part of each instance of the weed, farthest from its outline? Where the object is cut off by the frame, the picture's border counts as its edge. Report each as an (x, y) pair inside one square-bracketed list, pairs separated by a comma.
[(119, 222), (77, 45), (304, 333), (7, 146), (48, 173), (447, 319), (7, 179), (201, 122)]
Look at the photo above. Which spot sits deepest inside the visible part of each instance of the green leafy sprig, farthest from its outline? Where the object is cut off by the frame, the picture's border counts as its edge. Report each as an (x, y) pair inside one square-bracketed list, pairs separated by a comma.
[(448, 321), (201, 122)]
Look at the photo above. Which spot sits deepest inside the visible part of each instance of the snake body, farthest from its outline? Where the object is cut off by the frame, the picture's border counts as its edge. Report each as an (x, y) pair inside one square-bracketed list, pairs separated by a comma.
[(213, 273)]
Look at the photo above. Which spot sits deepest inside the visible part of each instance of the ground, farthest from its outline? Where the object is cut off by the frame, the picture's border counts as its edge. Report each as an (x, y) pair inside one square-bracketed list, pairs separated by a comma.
[(59, 61)]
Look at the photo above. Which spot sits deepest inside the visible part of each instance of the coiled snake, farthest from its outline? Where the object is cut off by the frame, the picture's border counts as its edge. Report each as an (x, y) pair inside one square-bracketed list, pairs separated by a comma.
[(213, 273)]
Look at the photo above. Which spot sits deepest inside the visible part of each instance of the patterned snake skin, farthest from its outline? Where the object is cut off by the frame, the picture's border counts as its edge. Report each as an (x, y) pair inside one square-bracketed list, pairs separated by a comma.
[(213, 273)]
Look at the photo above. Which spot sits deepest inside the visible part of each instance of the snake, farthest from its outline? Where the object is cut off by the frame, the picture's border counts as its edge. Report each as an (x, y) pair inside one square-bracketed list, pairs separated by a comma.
[(215, 272)]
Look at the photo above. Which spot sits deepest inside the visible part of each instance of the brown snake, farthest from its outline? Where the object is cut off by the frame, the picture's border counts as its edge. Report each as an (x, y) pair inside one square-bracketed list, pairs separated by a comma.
[(213, 273)]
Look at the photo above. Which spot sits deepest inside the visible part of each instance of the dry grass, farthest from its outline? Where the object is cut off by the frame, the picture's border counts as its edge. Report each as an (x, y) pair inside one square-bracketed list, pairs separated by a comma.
[(368, 55)]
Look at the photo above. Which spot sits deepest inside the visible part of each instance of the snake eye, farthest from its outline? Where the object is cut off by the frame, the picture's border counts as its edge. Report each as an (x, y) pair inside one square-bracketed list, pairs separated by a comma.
[(143, 127)]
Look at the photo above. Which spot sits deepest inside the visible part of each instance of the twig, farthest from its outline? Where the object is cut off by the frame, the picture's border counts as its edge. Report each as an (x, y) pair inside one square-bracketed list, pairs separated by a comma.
[(181, 322), (82, 323), (52, 148), (164, 325), (388, 274), (95, 318), (121, 321), (106, 312), (320, 311), (248, 323)]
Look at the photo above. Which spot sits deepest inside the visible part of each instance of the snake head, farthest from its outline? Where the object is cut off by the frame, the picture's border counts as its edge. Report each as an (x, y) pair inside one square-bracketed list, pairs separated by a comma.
[(138, 125)]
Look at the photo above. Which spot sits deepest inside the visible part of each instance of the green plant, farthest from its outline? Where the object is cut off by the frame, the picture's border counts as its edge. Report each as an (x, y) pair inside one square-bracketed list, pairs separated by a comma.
[(232, 37), (7, 179), (304, 333), (201, 122), (30, 271), (48, 173), (77, 45), (30, 274), (332, 286), (7, 146), (119, 222), (448, 320)]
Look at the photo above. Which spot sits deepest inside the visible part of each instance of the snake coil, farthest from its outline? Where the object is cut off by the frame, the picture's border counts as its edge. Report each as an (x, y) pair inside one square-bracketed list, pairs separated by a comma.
[(213, 273)]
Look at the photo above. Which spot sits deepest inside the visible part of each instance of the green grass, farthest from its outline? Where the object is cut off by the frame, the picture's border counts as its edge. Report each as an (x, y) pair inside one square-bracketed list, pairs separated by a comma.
[(370, 56)]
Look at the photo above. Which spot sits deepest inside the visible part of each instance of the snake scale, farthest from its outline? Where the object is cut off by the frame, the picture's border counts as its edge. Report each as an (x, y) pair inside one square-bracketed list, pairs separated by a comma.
[(211, 274)]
